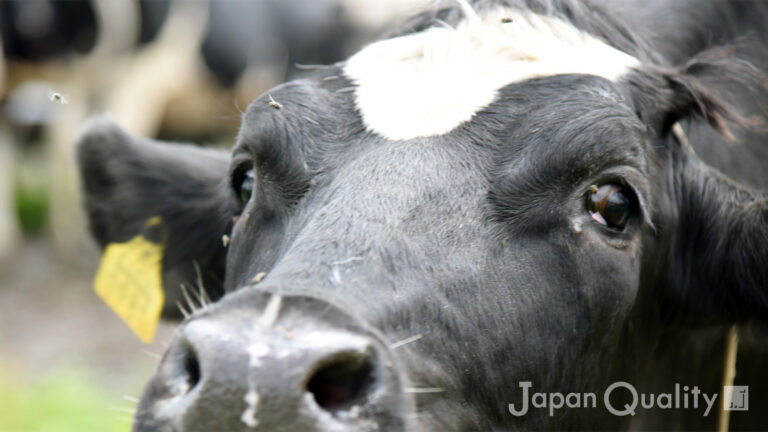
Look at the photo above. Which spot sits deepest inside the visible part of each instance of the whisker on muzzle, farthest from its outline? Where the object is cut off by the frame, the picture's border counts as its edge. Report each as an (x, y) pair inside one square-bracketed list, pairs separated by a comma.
[(182, 310), (405, 341), (423, 390), (123, 410), (151, 354), (193, 307), (205, 300), (134, 400)]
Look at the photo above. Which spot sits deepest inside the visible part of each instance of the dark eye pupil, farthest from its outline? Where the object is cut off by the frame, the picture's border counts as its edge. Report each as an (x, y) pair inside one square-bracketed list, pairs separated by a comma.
[(617, 210), (610, 205), (246, 186)]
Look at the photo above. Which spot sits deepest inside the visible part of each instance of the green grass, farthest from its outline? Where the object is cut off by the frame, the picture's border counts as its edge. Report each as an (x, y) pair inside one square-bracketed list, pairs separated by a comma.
[(32, 201), (62, 401)]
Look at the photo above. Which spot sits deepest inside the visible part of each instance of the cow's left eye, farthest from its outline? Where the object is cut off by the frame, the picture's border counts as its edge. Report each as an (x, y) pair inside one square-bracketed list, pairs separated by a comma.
[(611, 205), (244, 187)]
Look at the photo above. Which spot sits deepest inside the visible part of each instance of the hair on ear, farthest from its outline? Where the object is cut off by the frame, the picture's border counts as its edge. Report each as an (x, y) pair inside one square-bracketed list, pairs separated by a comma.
[(665, 95)]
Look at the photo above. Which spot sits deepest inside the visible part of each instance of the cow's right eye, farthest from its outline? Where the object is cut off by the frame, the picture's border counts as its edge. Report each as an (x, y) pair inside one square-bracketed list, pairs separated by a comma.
[(611, 205), (245, 185)]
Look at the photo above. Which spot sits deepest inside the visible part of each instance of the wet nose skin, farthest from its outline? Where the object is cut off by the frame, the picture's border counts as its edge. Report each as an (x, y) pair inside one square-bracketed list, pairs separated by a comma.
[(264, 362)]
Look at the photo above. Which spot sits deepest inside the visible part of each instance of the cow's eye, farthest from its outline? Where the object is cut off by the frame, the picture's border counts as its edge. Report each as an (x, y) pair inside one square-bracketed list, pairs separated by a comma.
[(611, 205), (245, 185)]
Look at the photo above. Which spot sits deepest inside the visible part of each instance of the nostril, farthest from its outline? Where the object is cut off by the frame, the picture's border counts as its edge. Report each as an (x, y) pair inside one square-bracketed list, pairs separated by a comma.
[(342, 382), (191, 368)]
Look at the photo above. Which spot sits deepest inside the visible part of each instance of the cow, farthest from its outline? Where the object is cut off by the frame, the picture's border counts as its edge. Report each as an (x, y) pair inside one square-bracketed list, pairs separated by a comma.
[(151, 64), (504, 192)]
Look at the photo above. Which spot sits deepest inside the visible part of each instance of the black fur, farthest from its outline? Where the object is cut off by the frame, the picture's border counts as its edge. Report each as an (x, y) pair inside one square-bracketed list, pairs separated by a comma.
[(720, 243), (478, 240), (128, 180)]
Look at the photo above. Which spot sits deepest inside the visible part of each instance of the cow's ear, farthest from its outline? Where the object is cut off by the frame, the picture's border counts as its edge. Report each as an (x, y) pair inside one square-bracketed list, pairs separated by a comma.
[(128, 181), (662, 96), (719, 245), (719, 241)]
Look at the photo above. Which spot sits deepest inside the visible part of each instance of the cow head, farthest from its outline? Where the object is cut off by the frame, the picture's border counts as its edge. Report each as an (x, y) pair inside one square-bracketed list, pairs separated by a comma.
[(420, 228)]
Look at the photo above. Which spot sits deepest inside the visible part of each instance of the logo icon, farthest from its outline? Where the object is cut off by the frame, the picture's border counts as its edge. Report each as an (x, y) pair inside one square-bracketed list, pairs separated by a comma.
[(739, 398)]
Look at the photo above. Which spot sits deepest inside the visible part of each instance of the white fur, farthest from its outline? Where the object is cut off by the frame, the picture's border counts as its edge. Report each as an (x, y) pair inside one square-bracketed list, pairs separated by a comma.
[(251, 405), (271, 310), (430, 82)]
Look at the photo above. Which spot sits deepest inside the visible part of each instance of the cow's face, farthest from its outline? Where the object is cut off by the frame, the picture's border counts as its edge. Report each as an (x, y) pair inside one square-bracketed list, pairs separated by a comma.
[(393, 274)]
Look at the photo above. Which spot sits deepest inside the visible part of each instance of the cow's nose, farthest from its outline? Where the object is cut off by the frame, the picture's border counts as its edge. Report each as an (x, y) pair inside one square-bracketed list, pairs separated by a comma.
[(282, 370)]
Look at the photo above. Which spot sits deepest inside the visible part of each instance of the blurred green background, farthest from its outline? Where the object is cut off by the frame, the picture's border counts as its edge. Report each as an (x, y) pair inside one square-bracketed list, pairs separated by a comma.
[(60, 401)]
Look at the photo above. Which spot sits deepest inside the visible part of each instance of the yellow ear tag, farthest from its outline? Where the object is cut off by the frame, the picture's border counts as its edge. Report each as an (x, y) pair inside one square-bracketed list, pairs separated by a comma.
[(129, 281)]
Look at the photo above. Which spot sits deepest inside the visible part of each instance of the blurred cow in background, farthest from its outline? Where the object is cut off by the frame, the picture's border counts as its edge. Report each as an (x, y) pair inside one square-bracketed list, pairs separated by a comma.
[(162, 68)]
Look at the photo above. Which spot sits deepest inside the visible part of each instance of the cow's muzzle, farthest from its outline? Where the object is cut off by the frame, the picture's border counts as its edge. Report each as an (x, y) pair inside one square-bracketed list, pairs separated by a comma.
[(264, 362)]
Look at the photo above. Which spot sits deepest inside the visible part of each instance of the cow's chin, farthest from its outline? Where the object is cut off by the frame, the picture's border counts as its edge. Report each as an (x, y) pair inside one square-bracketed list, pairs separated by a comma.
[(258, 361)]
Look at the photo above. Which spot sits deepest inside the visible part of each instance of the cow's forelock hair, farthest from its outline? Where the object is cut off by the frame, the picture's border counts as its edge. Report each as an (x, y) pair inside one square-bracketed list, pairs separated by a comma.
[(591, 18)]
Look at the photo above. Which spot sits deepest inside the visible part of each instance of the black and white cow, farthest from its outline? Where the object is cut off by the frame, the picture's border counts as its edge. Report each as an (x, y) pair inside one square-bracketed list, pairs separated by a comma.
[(495, 196), (239, 33)]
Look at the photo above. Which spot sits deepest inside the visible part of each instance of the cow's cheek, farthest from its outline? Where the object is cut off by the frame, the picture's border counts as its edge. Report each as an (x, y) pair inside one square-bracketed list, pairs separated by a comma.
[(611, 277)]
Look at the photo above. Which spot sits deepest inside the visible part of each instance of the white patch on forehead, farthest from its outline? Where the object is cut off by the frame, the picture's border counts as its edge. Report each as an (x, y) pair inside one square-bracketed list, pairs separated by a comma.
[(430, 82)]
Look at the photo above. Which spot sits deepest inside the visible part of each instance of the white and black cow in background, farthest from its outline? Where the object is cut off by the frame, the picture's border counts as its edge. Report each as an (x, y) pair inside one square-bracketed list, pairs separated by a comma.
[(172, 68), (494, 196)]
